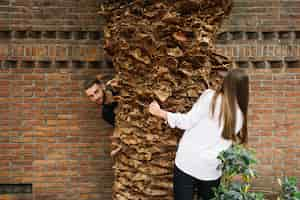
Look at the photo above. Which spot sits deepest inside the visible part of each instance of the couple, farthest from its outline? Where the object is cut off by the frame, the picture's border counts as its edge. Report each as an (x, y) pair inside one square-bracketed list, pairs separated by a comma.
[(216, 120)]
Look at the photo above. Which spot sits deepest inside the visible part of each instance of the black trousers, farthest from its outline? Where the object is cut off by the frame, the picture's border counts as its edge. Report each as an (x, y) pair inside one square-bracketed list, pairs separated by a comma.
[(185, 185)]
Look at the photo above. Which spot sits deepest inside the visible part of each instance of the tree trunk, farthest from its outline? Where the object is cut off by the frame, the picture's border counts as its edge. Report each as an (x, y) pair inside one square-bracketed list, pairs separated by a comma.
[(161, 50)]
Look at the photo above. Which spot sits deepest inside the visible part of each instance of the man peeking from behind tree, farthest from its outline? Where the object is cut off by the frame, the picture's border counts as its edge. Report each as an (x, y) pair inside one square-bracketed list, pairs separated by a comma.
[(102, 94)]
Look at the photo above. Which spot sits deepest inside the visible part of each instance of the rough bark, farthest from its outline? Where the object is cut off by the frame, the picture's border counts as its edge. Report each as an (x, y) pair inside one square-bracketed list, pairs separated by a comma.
[(161, 50)]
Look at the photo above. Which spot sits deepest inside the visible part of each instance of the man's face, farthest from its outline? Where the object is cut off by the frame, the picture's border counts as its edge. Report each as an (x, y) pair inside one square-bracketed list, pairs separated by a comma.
[(95, 94)]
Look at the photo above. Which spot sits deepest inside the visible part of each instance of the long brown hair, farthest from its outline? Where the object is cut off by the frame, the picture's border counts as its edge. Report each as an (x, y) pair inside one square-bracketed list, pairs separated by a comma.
[(234, 91)]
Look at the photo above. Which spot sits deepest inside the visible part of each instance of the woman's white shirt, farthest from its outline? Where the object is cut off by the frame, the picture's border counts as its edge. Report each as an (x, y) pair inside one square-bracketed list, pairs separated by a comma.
[(202, 140)]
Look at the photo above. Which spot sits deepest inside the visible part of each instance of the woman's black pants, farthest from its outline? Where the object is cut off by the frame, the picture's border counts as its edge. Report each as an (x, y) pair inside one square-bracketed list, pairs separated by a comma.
[(185, 185)]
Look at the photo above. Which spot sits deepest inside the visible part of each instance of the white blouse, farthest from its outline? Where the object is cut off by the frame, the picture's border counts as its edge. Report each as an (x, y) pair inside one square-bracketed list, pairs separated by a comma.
[(202, 140)]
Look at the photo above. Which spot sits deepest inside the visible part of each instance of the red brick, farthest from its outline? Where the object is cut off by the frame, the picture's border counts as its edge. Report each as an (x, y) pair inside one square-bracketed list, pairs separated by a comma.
[(34, 76)]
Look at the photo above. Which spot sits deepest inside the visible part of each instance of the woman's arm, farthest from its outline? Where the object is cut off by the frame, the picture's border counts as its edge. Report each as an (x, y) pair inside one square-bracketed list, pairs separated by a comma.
[(184, 120)]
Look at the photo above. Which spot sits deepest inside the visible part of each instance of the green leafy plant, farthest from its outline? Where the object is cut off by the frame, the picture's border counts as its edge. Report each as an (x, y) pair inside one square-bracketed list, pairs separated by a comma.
[(236, 191), (289, 189), (237, 160)]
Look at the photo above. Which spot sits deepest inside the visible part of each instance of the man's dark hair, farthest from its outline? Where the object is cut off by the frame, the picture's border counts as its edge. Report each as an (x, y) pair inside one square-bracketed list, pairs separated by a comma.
[(90, 82)]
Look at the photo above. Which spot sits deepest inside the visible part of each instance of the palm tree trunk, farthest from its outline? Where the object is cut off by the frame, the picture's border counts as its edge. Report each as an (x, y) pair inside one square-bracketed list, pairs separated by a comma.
[(162, 50)]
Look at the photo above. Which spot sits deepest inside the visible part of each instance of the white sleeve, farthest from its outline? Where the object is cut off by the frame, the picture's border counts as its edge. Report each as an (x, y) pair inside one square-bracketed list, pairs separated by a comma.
[(187, 120), (239, 120)]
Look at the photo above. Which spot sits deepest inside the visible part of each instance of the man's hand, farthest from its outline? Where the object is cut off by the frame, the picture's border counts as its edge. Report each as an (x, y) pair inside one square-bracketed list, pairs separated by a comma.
[(155, 110), (112, 82), (108, 97)]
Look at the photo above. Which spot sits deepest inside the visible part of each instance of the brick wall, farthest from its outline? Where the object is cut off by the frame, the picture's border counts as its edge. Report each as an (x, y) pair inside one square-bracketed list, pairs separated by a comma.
[(53, 138), (50, 135), (264, 38)]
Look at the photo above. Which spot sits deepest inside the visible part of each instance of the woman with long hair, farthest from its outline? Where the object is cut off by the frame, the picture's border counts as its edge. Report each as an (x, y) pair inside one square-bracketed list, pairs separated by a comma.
[(216, 120)]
